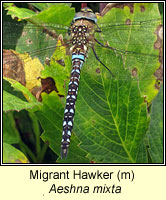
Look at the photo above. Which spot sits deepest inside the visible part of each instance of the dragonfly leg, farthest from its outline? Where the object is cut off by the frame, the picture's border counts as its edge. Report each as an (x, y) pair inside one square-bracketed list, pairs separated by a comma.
[(98, 30), (106, 46), (102, 62)]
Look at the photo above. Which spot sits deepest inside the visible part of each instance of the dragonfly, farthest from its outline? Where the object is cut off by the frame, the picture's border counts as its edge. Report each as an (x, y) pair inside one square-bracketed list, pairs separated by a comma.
[(82, 33)]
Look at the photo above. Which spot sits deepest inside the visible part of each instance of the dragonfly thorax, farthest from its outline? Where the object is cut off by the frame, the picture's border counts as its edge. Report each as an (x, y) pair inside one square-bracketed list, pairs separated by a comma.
[(79, 35), (82, 35)]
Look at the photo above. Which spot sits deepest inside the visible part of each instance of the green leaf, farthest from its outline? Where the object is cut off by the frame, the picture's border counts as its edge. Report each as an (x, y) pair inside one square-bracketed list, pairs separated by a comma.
[(13, 155), (8, 88), (21, 13), (54, 15), (111, 115), (50, 116), (10, 132), (5, 5), (140, 38), (43, 6), (142, 156), (155, 134), (11, 102), (56, 70), (18, 86)]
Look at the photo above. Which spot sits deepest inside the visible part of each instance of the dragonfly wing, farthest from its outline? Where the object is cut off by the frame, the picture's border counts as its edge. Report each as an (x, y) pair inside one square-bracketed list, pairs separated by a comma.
[(29, 38), (131, 31)]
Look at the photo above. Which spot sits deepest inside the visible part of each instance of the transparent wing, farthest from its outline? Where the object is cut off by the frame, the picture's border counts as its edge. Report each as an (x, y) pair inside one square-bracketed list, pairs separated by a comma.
[(129, 32), (14, 27), (39, 43), (136, 42), (34, 46), (121, 25), (38, 40), (142, 66)]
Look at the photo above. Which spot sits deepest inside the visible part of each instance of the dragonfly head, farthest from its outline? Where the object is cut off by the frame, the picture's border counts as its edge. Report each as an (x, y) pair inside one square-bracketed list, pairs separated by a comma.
[(87, 14)]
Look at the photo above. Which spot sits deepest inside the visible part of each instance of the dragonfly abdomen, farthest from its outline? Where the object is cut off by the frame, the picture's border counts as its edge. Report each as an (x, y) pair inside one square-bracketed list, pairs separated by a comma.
[(77, 62)]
